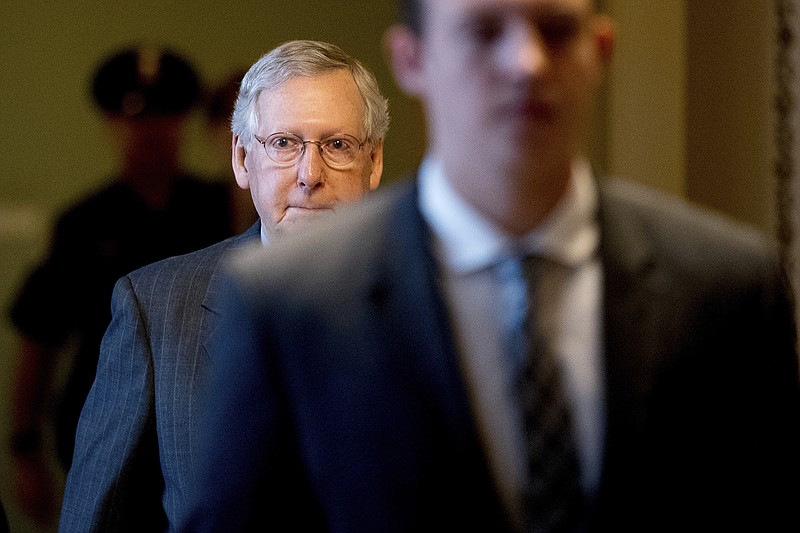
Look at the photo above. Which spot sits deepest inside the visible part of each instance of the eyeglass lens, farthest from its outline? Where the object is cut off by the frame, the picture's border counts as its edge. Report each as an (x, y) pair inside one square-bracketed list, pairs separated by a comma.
[(287, 148)]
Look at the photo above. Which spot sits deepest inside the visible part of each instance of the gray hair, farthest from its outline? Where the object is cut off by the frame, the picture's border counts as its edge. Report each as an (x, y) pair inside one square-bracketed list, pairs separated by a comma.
[(307, 59)]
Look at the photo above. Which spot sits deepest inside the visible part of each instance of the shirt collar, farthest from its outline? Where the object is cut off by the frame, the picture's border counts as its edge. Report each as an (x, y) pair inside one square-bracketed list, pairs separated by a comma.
[(465, 241), (264, 238)]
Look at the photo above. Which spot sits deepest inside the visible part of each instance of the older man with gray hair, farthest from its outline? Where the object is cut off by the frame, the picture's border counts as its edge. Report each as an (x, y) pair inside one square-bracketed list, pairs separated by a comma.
[(308, 128)]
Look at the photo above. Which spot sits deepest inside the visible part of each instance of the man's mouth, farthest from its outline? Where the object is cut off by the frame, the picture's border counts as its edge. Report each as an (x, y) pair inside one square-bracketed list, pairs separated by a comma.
[(305, 211), (310, 208), (535, 110)]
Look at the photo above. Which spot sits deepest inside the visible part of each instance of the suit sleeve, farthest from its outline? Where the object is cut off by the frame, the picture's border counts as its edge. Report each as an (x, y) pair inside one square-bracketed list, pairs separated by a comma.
[(115, 482)]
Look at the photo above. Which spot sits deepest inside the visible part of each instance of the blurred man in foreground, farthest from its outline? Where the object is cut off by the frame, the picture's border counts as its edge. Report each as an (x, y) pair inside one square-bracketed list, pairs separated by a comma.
[(509, 343)]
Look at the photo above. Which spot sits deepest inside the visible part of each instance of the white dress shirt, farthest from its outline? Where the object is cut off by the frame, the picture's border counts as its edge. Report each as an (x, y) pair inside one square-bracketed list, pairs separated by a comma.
[(470, 251)]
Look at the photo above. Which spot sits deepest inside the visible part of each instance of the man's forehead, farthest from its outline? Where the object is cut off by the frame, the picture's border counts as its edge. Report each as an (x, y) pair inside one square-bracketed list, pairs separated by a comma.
[(330, 99), (335, 81)]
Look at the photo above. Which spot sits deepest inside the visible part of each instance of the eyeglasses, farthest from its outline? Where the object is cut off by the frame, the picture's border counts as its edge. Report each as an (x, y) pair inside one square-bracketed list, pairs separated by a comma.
[(287, 148)]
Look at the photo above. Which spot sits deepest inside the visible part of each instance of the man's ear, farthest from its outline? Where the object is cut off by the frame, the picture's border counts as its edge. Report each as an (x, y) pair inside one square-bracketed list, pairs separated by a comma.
[(240, 163), (605, 35), (377, 165), (404, 49)]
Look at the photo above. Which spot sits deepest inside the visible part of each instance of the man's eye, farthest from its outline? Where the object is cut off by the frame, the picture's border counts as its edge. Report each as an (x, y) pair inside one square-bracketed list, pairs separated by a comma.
[(485, 30), (559, 30), (283, 143), (338, 145)]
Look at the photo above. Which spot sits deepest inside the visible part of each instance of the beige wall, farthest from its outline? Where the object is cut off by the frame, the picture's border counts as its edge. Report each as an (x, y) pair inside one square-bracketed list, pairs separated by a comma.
[(689, 102), (730, 164), (647, 94)]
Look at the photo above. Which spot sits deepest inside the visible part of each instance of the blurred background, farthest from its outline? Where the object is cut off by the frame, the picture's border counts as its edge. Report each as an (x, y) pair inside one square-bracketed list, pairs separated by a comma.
[(688, 108)]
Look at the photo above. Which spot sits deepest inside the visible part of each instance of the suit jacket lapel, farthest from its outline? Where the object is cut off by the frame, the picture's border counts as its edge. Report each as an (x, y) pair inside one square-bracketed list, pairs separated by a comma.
[(407, 302), (249, 236), (210, 301), (406, 292)]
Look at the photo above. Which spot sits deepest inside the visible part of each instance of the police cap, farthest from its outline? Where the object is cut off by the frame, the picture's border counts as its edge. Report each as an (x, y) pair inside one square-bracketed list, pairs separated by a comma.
[(145, 81)]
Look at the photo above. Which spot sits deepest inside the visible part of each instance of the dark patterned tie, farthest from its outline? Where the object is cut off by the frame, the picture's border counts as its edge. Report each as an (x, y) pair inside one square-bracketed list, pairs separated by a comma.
[(554, 501)]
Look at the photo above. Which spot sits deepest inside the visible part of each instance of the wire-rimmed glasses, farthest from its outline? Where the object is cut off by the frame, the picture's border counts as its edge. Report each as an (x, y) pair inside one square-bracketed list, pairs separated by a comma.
[(287, 148)]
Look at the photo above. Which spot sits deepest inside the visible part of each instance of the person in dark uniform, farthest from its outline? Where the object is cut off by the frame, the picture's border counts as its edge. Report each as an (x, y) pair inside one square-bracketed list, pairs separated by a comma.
[(152, 209)]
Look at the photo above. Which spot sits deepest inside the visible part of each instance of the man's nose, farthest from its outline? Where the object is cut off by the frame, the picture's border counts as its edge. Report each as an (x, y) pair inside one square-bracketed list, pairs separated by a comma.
[(311, 167), (524, 52)]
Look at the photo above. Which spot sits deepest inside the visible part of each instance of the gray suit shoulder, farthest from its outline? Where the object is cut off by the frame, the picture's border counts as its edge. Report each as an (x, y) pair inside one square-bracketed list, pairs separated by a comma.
[(692, 233), (206, 260)]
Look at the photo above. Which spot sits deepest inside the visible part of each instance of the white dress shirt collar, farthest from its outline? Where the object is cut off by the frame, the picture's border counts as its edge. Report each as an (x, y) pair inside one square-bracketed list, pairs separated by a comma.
[(465, 241)]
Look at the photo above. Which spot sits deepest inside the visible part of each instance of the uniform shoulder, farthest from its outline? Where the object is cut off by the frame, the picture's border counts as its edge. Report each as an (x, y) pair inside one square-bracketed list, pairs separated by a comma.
[(94, 203)]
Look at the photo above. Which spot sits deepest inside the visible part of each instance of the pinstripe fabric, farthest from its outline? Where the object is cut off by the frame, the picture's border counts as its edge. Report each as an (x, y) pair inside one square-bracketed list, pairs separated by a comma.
[(134, 443)]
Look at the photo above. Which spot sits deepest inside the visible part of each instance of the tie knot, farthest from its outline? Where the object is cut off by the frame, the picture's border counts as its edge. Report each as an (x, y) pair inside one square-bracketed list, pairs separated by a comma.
[(522, 272), (517, 276), (533, 266), (514, 276)]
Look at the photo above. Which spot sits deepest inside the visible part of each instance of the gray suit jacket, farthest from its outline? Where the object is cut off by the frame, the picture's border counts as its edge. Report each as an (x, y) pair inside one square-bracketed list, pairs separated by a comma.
[(134, 444), (337, 402)]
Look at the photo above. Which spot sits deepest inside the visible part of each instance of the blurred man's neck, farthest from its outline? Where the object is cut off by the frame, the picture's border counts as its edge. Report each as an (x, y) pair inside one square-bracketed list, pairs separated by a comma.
[(517, 200)]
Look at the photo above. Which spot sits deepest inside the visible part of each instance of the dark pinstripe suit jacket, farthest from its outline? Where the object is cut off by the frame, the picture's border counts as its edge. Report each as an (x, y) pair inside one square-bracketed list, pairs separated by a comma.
[(337, 401), (133, 447)]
